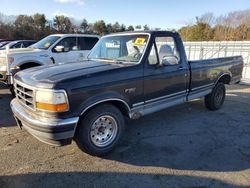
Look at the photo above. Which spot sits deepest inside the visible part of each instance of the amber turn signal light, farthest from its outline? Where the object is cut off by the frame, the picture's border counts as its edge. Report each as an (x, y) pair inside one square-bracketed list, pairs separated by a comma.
[(52, 107)]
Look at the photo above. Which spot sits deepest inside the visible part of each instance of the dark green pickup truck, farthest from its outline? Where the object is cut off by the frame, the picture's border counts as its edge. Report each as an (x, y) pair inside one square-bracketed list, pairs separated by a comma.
[(127, 74)]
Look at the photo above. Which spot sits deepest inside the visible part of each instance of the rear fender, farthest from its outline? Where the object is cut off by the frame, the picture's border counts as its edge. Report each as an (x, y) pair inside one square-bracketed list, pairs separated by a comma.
[(225, 77)]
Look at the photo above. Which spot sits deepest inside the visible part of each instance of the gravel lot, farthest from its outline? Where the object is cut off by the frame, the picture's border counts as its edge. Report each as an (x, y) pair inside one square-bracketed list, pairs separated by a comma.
[(184, 146)]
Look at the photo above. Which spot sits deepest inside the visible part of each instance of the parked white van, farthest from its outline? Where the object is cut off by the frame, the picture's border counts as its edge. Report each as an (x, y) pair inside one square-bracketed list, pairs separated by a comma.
[(53, 49)]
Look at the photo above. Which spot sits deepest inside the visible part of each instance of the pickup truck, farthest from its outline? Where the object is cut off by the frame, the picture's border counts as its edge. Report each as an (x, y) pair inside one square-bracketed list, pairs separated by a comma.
[(18, 44), (53, 49), (129, 74)]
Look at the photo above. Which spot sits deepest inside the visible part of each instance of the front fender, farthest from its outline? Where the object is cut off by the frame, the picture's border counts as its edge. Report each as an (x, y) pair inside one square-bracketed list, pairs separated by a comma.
[(31, 59), (102, 98)]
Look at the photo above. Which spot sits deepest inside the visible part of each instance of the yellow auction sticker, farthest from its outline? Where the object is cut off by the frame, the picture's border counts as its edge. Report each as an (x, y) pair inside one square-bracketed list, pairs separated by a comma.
[(47, 45), (139, 41)]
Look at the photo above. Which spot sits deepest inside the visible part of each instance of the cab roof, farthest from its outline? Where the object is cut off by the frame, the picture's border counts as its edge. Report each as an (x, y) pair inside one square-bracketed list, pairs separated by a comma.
[(152, 32), (75, 35)]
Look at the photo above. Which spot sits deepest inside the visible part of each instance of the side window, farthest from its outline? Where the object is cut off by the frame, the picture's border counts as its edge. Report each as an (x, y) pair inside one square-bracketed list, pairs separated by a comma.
[(87, 43), (152, 58), (69, 44), (27, 44), (17, 45), (167, 51)]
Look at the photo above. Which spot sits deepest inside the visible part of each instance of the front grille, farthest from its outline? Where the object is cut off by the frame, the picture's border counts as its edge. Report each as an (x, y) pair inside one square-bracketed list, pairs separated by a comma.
[(25, 95)]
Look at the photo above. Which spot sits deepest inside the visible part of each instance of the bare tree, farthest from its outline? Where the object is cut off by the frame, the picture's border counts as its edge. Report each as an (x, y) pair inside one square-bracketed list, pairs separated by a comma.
[(207, 18)]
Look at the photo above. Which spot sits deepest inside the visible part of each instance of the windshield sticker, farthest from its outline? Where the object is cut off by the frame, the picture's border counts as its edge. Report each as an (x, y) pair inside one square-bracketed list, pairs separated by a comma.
[(139, 41), (130, 47), (47, 45), (112, 45)]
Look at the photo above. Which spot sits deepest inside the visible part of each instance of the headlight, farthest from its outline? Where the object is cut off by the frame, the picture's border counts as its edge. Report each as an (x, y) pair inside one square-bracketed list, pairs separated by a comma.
[(54, 101), (2, 60), (10, 60)]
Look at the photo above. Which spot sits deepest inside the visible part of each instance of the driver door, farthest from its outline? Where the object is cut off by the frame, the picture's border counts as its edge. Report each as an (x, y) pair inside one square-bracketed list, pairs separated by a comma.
[(163, 82), (68, 54)]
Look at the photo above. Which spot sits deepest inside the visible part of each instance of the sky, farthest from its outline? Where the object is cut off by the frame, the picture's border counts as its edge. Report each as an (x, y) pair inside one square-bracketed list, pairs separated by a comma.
[(157, 13)]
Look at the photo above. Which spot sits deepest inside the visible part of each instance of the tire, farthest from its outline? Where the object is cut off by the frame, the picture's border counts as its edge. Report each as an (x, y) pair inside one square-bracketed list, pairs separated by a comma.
[(215, 100), (100, 130)]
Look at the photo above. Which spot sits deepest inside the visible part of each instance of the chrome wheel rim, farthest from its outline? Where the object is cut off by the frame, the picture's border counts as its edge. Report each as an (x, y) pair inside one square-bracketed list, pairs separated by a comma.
[(103, 131)]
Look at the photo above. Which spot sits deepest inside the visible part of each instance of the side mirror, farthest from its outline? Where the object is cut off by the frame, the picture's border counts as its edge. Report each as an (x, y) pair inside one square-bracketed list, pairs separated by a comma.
[(59, 49), (169, 60)]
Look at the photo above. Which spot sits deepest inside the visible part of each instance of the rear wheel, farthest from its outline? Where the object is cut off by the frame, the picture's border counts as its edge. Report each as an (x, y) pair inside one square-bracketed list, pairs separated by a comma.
[(100, 130), (215, 100)]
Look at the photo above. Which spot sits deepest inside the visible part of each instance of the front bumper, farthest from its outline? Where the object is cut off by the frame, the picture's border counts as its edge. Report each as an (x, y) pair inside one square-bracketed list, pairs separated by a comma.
[(55, 132), (6, 78), (3, 76)]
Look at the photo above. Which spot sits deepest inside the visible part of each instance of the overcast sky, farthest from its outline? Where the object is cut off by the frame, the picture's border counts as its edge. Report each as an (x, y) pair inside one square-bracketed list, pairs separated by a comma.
[(157, 13)]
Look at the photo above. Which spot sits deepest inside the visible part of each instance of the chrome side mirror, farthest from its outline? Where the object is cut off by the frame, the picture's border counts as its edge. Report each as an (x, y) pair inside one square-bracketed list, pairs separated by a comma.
[(59, 49)]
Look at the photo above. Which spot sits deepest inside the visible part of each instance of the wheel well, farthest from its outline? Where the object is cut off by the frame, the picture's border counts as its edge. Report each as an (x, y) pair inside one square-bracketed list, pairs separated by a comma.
[(225, 79), (28, 65), (118, 104)]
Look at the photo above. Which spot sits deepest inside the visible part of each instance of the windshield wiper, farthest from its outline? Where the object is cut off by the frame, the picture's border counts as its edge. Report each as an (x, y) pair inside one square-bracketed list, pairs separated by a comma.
[(102, 59), (123, 61), (109, 60)]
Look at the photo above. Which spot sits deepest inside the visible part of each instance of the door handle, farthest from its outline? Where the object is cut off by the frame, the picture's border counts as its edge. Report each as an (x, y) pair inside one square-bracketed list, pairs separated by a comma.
[(181, 68)]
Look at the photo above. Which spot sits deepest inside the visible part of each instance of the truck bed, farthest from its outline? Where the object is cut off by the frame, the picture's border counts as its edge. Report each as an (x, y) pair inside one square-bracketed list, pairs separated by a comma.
[(205, 73)]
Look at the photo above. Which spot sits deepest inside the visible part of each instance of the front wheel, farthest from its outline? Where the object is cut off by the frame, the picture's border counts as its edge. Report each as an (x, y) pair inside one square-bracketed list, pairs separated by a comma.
[(215, 100), (100, 130)]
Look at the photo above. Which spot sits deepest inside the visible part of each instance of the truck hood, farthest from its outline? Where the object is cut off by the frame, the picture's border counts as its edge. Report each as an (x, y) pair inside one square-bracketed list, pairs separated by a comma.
[(21, 51), (49, 76)]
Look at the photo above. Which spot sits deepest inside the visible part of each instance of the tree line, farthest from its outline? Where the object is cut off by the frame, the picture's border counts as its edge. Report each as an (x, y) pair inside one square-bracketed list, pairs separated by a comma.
[(38, 26), (233, 26)]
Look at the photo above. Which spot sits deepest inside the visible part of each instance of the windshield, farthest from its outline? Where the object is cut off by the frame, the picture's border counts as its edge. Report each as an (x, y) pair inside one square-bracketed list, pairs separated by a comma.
[(4, 43), (45, 43), (120, 48), (9, 44)]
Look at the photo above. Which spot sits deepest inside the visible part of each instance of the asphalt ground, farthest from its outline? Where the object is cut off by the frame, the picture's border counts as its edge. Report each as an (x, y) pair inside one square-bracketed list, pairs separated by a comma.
[(183, 146)]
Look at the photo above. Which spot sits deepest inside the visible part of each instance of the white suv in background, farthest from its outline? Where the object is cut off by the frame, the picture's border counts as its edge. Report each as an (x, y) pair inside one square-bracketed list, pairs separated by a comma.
[(53, 49)]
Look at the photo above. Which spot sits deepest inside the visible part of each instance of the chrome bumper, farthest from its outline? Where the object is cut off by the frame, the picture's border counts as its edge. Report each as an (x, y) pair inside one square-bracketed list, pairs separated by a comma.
[(6, 78), (3, 76), (55, 132), (236, 79)]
